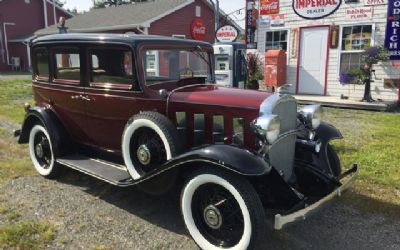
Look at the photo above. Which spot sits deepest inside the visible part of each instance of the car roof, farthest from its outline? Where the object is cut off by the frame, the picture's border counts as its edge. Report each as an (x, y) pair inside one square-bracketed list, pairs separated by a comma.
[(130, 39)]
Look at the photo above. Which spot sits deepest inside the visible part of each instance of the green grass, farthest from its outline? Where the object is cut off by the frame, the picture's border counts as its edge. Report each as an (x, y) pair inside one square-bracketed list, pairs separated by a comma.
[(371, 139), (29, 235), (14, 93)]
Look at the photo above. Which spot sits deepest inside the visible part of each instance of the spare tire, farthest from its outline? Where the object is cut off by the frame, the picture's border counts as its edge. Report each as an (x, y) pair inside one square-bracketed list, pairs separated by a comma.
[(149, 140)]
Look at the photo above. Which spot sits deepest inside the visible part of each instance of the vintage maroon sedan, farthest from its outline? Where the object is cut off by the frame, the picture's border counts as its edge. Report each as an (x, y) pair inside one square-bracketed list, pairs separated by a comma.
[(145, 110)]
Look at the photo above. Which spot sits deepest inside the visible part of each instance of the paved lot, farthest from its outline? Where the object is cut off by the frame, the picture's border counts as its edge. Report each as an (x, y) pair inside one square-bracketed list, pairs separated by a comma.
[(89, 213)]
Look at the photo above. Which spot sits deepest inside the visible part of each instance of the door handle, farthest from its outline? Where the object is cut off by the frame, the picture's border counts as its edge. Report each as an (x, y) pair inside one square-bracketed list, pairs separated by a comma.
[(76, 97), (85, 98)]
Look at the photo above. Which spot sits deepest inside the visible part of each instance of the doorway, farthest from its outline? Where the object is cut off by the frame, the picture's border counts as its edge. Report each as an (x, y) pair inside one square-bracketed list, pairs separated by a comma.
[(312, 64)]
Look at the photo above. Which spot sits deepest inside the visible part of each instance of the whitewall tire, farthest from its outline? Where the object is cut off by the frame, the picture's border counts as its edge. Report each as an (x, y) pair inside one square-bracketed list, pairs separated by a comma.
[(149, 139), (207, 218), (41, 152)]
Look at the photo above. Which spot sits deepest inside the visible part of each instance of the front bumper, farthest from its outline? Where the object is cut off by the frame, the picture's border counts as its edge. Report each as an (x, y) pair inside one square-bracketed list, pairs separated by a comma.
[(282, 220)]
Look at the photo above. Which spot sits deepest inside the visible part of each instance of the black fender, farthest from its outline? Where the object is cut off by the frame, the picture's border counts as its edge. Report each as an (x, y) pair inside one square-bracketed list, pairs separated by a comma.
[(327, 132), (224, 156), (318, 161), (58, 135)]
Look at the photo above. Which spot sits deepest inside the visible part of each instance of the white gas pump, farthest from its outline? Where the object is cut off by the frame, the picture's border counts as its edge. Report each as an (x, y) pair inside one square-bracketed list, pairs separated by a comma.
[(223, 64), (230, 64)]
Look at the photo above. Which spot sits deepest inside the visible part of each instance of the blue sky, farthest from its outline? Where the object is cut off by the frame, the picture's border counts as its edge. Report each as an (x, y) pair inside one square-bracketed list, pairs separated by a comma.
[(227, 5)]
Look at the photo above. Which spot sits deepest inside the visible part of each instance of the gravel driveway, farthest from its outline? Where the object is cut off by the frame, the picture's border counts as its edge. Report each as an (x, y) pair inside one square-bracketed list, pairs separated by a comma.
[(88, 213)]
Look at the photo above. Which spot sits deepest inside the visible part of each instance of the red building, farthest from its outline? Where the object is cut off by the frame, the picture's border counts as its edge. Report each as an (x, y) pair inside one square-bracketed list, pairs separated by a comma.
[(19, 19), (191, 19)]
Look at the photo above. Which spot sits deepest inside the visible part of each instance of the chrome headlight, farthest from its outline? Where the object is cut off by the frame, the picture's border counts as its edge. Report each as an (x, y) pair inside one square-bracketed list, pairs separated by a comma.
[(311, 115), (267, 128)]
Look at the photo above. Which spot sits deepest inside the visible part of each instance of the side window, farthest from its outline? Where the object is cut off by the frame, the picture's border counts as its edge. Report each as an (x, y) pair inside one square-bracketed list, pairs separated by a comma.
[(67, 66), (355, 39), (42, 64), (111, 68)]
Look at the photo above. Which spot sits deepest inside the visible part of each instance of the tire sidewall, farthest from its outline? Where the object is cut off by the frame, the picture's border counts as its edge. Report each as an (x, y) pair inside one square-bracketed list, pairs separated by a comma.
[(36, 129), (186, 201), (126, 139)]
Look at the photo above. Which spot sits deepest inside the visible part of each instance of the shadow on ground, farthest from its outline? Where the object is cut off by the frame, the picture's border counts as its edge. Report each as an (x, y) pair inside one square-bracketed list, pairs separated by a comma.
[(340, 225)]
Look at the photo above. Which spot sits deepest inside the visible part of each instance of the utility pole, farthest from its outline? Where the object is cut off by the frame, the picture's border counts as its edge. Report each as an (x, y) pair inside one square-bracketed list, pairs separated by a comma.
[(216, 14)]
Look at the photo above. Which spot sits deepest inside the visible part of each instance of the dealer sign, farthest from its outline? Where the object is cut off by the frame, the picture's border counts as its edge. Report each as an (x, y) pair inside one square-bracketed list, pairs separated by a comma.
[(315, 9), (226, 33)]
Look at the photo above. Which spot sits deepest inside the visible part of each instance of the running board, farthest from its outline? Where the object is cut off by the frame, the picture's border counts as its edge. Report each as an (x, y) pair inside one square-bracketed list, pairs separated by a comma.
[(109, 172)]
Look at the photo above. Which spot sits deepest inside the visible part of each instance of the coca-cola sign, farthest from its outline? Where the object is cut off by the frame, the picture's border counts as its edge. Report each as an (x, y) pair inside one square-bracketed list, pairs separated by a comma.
[(198, 29), (268, 7), (315, 9)]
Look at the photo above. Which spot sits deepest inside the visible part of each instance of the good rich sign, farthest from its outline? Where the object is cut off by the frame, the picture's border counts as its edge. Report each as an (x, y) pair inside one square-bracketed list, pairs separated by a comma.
[(315, 9), (250, 28), (226, 33), (392, 39)]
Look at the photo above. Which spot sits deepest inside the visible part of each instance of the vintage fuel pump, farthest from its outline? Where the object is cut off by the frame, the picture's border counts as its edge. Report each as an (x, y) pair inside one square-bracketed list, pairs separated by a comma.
[(230, 64)]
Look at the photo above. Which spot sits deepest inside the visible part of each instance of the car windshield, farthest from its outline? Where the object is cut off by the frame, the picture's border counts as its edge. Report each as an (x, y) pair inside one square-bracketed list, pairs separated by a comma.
[(164, 65)]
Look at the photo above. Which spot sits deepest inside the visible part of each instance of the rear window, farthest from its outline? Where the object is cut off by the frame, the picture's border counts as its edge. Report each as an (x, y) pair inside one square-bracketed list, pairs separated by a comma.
[(67, 68), (42, 64), (111, 68)]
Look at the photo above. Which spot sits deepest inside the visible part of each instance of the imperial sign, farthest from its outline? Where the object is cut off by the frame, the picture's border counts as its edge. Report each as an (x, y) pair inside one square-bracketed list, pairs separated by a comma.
[(198, 29), (315, 9), (226, 33)]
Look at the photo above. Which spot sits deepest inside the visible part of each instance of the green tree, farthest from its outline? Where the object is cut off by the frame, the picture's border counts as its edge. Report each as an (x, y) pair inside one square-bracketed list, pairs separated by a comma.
[(97, 4)]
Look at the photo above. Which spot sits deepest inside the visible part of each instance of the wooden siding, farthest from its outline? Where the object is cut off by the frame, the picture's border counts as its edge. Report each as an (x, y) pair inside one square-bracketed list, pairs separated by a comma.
[(28, 17), (178, 23), (334, 88)]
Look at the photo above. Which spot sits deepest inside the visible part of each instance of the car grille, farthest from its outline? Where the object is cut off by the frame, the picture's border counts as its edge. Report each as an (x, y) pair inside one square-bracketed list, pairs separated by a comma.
[(281, 154)]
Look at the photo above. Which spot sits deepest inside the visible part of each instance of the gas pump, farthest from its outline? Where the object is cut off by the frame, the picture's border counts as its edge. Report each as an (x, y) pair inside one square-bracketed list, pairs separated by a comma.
[(230, 64)]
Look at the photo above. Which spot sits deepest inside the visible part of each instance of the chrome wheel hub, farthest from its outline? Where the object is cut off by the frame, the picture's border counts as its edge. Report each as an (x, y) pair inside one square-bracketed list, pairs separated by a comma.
[(143, 154), (39, 150), (212, 217)]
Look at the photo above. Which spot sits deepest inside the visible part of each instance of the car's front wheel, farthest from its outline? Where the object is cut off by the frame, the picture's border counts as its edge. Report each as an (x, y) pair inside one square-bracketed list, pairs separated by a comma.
[(41, 152), (221, 210)]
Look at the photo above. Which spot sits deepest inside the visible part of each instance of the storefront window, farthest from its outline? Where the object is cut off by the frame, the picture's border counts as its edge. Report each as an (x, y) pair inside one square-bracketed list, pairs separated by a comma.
[(276, 39), (355, 39)]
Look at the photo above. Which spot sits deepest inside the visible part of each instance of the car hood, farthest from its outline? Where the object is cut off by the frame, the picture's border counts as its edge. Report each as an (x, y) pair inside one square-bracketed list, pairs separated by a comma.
[(219, 96)]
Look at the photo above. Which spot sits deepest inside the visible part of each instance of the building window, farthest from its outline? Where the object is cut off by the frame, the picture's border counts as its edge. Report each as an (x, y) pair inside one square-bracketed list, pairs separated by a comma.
[(67, 68), (277, 39), (111, 68), (355, 39), (198, 11), (42, 64)]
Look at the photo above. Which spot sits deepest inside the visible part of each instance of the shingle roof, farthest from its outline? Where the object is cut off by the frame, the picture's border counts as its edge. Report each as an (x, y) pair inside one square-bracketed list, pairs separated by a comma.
[(120, 17)]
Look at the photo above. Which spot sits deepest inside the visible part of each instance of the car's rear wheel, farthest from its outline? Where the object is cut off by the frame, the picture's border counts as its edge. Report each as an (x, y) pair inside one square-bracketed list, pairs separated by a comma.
[(222, 211), (41, 152)]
